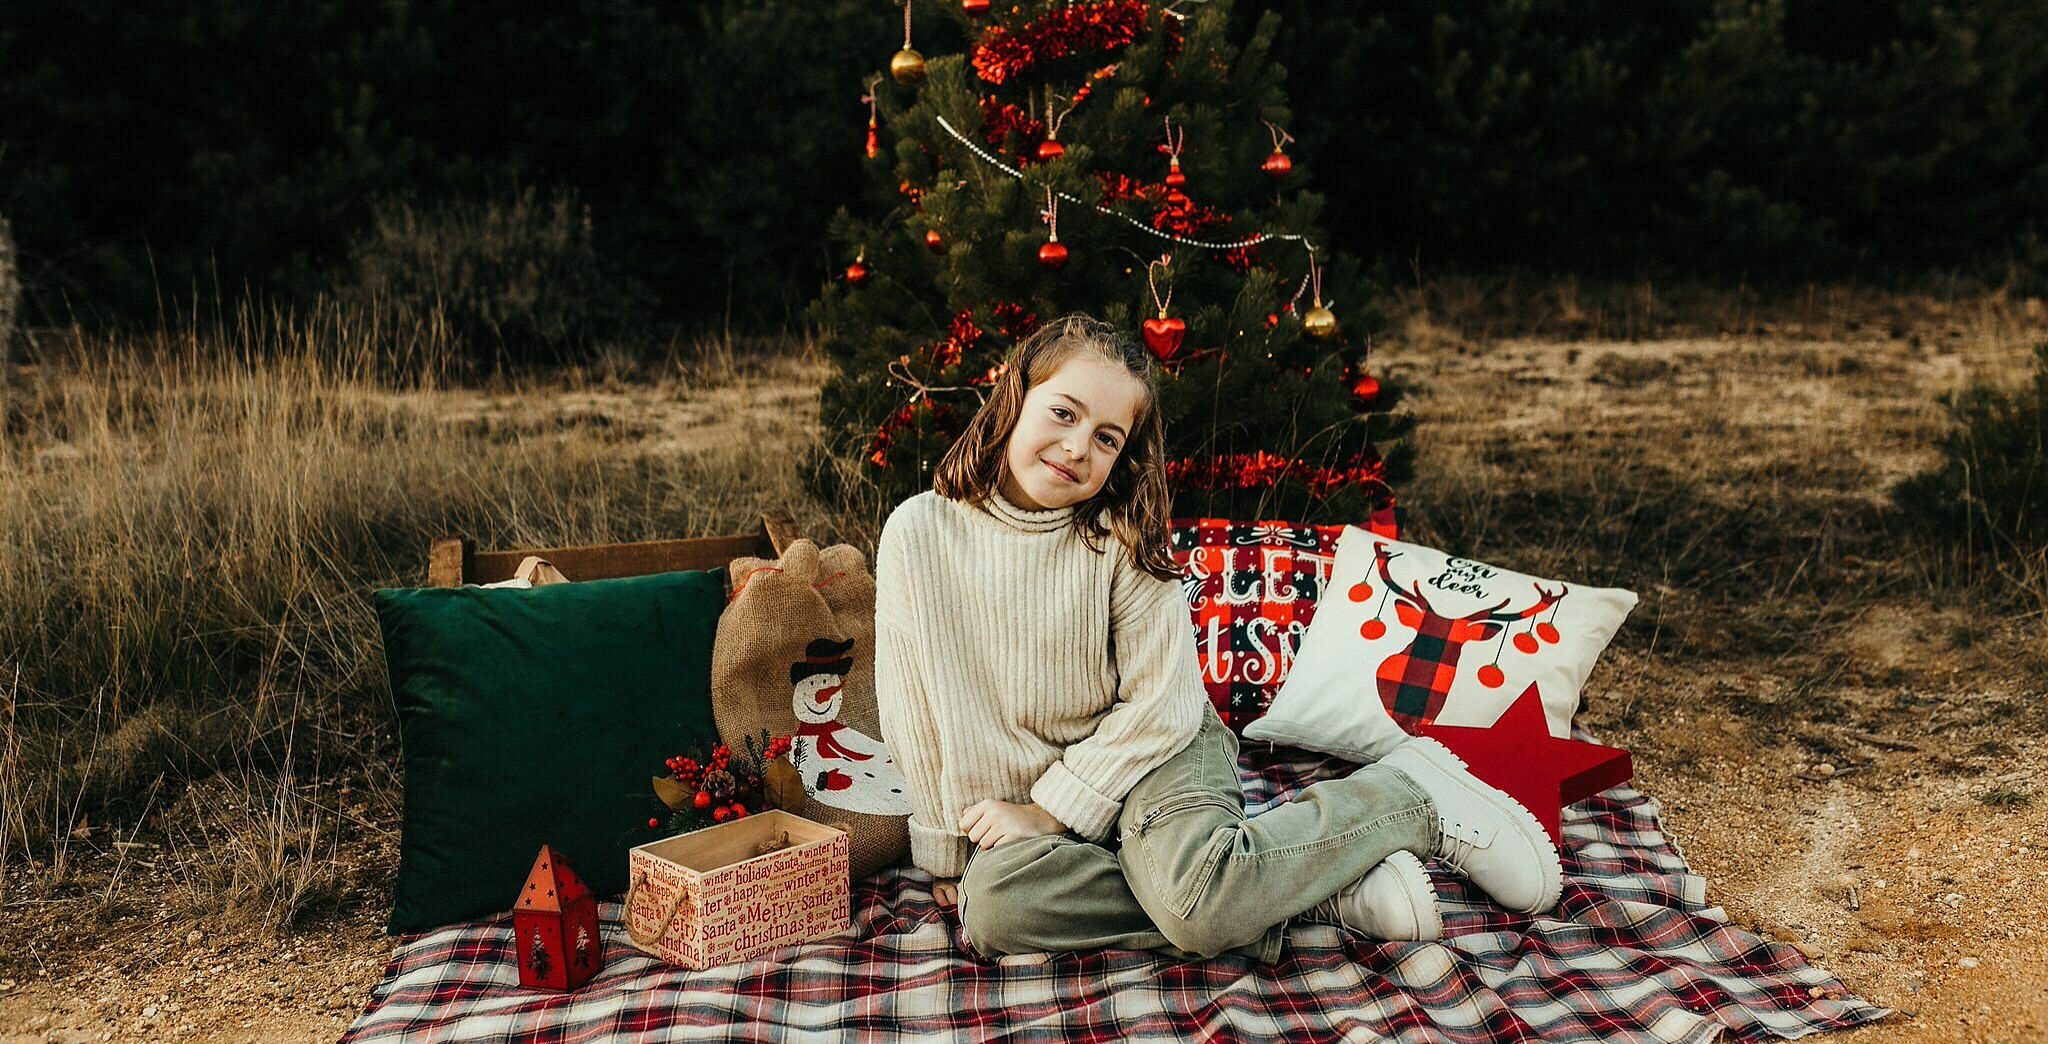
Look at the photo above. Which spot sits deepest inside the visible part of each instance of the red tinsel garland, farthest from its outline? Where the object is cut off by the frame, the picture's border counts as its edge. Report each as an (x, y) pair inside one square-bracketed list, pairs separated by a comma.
[(885, 437), (1117, 187), (1005, 54), (1013, 321), (1260, 470), (1010, 319), (961, 334), (1173, 212), (1241, 259), (1000, 118), (1178, 215)]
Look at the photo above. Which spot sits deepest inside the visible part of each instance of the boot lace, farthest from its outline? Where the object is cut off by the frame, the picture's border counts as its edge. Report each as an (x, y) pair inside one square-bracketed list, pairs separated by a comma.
[(1327, 911), (1453, 850)]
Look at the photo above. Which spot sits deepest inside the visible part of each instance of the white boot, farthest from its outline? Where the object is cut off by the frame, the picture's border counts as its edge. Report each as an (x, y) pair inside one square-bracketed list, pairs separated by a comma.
[(1393, 901), (1481, 832)]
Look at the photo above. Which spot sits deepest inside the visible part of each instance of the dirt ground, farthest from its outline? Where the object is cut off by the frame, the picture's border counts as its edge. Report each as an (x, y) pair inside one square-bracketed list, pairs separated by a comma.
[(1865, 787)]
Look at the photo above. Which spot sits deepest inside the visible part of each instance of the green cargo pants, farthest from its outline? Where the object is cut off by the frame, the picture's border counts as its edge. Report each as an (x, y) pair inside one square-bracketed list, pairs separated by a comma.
[(1186, 873)]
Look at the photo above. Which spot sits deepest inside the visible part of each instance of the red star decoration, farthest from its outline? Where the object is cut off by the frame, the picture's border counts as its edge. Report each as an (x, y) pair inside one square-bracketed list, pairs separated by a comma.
[(1518, 755)]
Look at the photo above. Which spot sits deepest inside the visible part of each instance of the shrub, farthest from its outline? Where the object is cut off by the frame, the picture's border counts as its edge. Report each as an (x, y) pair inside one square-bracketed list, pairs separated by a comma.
[(517, 283), (1990, 490)]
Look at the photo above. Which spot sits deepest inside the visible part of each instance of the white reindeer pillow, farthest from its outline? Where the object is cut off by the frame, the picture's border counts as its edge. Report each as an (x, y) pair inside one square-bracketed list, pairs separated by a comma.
[(1405, 635)]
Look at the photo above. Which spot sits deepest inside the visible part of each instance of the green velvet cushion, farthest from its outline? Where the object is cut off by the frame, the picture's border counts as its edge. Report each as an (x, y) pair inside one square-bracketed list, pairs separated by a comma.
[(537, 716)]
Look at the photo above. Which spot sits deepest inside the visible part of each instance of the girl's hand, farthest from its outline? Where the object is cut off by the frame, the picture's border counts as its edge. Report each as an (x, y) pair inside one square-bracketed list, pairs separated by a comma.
[(947, 891), (989, 822)]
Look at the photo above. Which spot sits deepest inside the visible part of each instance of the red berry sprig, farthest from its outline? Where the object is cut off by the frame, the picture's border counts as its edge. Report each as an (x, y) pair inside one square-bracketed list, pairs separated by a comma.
[(724, 785)]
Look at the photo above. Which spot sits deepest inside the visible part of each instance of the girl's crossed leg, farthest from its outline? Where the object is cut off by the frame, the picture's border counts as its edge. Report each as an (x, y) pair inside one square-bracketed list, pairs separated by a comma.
[(1191, 876)]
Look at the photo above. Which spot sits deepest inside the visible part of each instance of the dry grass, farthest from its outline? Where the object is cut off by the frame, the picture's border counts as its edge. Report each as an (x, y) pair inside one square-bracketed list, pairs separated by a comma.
[(1447, 311), (193, 522)]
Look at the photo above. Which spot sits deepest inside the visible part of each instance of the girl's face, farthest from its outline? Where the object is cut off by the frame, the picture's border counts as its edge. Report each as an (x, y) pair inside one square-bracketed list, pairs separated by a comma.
[(1072, 429)]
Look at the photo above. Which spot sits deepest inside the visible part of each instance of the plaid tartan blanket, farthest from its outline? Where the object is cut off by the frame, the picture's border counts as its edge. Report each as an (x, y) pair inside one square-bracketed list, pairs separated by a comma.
[(1632, 953)]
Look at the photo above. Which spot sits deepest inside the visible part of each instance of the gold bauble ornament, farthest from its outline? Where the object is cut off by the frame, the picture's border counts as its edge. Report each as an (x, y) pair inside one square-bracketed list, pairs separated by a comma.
[(907, 67), (1320, 323)]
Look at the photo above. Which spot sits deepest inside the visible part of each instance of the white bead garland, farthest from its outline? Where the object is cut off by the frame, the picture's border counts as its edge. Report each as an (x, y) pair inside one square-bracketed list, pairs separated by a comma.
[(1262, 237)]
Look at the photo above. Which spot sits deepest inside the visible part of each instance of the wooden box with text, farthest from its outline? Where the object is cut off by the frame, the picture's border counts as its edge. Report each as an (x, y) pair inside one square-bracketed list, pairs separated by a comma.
[(729, 892)]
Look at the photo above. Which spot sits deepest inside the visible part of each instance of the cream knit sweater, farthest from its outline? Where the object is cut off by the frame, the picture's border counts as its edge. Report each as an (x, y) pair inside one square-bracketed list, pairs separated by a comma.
[(1012, 662)]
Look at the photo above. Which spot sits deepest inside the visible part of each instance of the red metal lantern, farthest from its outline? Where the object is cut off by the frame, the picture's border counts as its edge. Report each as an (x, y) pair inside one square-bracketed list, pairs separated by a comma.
[(555, 926)]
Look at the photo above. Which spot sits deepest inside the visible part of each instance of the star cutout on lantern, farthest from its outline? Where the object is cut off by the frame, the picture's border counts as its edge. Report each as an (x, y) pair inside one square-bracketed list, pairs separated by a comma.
[(1518, 756)]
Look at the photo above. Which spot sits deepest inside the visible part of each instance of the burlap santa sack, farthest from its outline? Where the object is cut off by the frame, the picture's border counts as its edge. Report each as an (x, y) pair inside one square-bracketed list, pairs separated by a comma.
[(795, 656)]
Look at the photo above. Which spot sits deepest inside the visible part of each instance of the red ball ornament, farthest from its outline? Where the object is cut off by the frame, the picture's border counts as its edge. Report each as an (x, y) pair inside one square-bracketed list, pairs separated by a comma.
[(934, 241), (1373, 630), (1548, 632), (1277, 166), (721, 813), (1491, 676), (1163, 336), (1525, 642), (856, 273), (652, 822), (1361, 591), (1174, 178), (1366, 391), (1053, 255), (703, 799), (974, 8), (1051, 149)]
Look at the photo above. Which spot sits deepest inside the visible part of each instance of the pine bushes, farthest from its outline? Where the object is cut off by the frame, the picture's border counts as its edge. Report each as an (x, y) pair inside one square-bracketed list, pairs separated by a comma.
[(518, 282)]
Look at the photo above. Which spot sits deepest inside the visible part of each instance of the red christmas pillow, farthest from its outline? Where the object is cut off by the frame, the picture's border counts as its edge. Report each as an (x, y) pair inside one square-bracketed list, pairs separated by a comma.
[(1251, 589)]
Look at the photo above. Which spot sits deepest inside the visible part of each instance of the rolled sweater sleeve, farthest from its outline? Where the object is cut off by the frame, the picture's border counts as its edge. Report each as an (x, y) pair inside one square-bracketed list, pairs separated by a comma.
[(908, 725), (1157, 713)]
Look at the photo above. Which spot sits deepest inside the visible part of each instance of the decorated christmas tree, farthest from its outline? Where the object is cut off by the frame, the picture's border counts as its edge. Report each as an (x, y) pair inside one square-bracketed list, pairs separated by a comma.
[(1127, 160)]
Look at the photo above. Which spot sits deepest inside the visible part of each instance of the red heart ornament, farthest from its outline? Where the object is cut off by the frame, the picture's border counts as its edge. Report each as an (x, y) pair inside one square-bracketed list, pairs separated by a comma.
[(1163, 336)]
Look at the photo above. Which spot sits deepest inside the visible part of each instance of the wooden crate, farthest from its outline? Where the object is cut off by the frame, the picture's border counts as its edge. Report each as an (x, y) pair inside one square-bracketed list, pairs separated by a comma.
[(712, 896), (452, 562)]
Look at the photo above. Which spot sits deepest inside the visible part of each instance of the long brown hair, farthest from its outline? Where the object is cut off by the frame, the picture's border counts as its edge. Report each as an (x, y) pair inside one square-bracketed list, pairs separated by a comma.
[(1134, 504)]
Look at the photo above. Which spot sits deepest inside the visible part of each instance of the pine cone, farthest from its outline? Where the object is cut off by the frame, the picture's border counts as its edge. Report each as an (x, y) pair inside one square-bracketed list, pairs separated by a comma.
[(720, 783)]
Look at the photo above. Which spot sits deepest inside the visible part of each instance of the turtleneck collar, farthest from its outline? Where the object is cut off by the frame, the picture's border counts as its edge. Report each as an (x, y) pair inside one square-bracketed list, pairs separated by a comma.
[(1002, 510)]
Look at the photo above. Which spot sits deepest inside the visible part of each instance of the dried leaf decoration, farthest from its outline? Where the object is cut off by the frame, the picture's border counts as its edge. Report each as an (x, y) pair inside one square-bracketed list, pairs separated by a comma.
[(785, 785), (673, 793)]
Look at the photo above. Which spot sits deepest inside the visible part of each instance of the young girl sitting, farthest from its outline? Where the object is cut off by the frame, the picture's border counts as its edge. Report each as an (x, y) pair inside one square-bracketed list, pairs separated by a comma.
[(1071, 785)]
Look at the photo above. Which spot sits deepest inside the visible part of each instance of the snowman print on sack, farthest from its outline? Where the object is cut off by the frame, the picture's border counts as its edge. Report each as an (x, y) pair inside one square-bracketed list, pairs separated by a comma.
[(840, 765)]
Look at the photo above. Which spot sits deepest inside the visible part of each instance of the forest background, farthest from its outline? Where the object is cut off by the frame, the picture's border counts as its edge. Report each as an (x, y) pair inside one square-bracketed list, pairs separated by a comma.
[(275, 148)]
